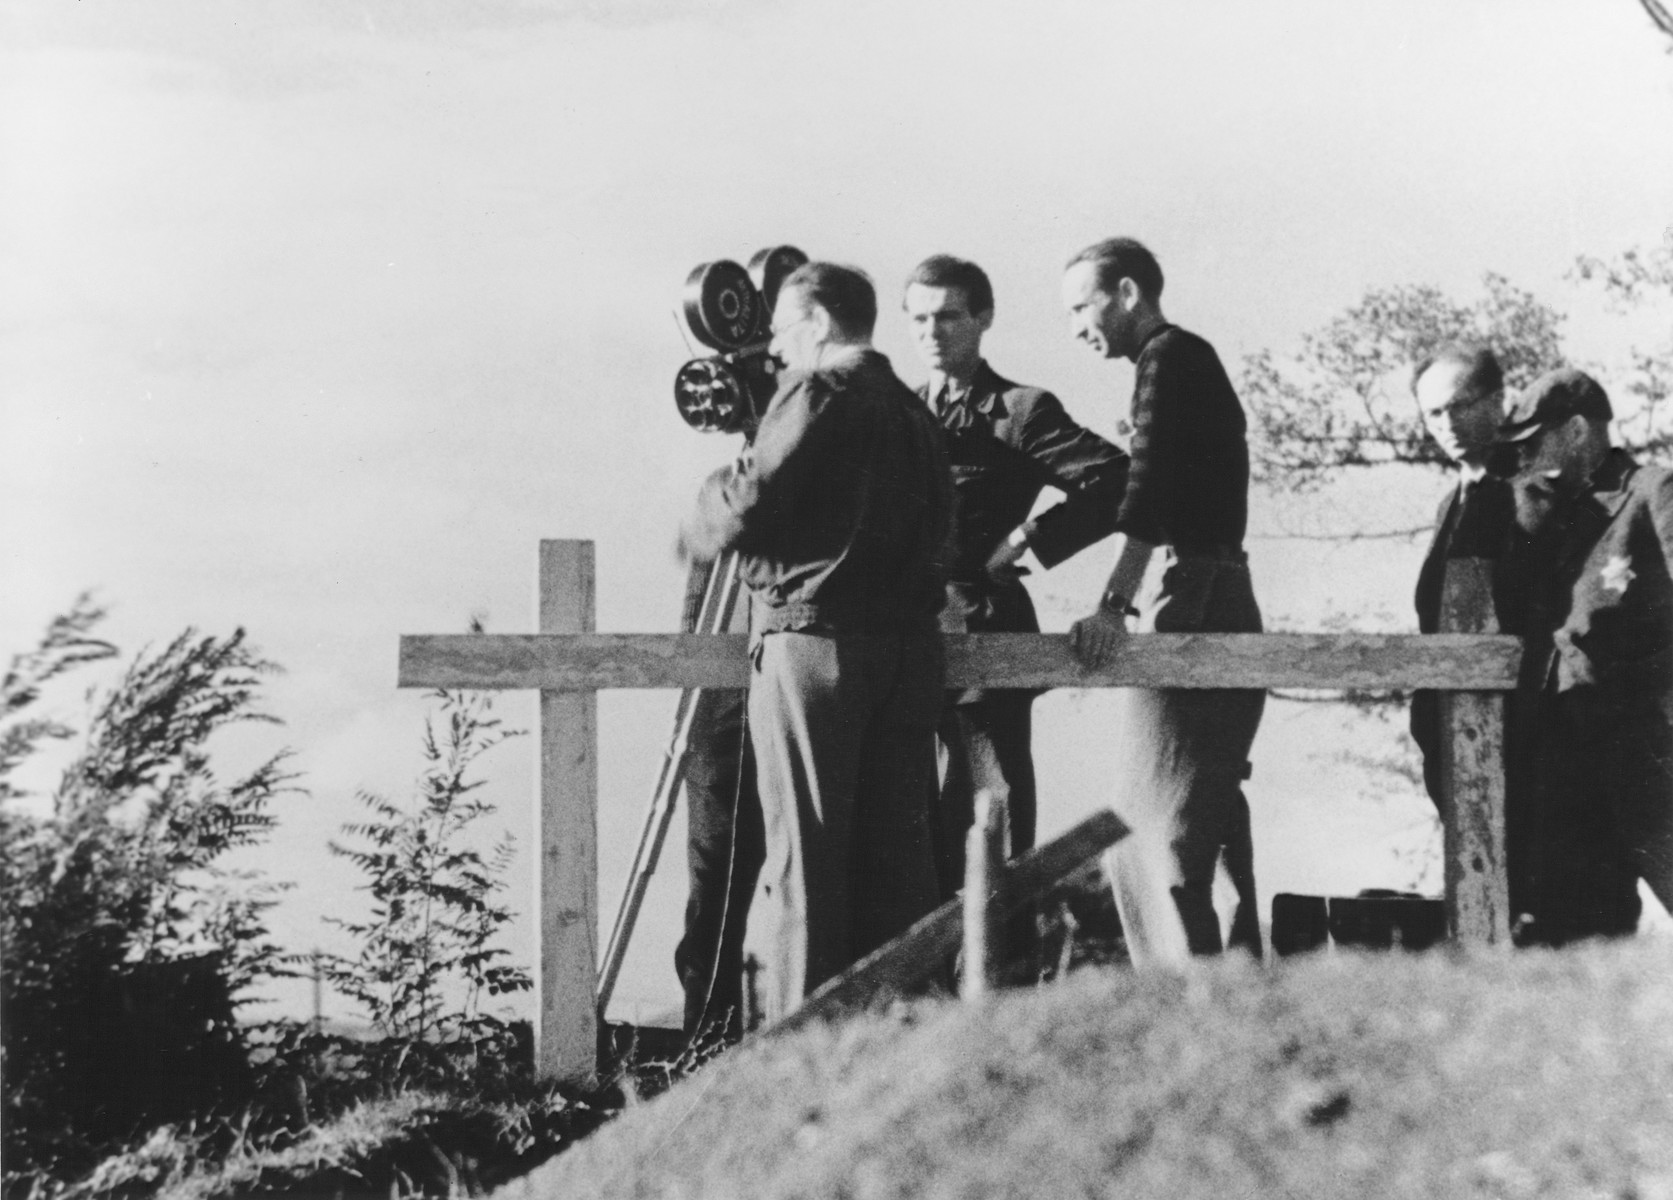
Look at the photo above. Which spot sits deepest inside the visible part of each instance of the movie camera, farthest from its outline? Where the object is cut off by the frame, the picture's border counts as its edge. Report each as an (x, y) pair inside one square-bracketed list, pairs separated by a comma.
[(729, 308)]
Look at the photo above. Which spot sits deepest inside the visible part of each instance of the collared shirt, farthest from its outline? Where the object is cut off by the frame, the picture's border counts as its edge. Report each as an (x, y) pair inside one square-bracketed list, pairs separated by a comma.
[(1189, 485), (945, 391), (841, 507)]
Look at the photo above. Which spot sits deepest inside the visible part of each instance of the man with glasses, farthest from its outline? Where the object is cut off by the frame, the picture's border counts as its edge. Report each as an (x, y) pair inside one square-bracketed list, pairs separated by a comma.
[(1460, 393), (842, 511), (1592, 753)]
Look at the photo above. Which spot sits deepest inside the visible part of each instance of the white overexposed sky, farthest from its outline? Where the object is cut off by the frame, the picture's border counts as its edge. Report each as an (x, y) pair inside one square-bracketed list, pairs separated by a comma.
[(316, 316)]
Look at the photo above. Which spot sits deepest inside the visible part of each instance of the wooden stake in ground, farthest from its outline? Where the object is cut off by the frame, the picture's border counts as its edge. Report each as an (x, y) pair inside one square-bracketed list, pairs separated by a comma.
[(984, 910), (1473, 773), (566, 835)]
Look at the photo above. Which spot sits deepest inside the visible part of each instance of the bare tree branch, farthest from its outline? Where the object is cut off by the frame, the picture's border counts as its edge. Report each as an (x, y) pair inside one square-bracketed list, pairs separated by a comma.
[(1659, 15)]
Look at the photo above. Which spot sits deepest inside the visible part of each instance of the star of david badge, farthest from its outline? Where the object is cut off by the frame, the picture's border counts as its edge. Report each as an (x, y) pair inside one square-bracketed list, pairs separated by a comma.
[(1617, 573)]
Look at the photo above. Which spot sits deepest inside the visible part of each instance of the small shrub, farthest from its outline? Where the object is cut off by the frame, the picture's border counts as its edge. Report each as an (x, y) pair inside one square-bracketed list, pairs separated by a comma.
[(428, 959)]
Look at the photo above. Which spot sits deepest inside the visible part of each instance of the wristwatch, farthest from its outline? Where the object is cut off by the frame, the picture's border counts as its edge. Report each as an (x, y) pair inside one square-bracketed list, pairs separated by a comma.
[(1117, 604)]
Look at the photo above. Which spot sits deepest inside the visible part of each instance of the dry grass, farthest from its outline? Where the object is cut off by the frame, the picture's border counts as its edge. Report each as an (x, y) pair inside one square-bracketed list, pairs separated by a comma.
[(1538, 1074)]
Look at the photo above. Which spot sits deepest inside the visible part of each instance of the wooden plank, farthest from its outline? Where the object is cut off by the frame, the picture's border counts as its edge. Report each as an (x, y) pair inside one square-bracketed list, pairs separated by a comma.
[(1222, 660), (1473, 775), (915, 954), (566, 831), (1477, 883)]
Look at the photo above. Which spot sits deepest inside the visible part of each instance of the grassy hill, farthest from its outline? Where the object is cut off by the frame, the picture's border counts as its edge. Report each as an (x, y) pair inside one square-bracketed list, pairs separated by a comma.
[(1534, 1074)]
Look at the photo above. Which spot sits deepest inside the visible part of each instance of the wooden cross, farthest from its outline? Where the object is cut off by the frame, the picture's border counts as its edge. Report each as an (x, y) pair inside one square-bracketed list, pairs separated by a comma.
[(568, 662)]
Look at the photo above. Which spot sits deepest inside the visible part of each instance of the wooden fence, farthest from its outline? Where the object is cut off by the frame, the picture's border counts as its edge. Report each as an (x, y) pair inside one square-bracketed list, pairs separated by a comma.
[(568, 662)]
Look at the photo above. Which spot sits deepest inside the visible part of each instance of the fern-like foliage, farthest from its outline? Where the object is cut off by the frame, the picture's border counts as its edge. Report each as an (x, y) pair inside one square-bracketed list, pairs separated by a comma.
[(115, 905), (428, 955), (67, 644)]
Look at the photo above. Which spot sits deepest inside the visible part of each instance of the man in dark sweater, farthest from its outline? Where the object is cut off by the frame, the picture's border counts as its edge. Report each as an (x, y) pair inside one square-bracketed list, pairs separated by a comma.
[(842, 510), (1006, 444), (1180, 568)]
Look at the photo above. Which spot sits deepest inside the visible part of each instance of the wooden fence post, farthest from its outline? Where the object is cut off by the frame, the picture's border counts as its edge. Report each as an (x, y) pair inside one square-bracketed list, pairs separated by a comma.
[(984, 910), (566, 833), (1473, 774)]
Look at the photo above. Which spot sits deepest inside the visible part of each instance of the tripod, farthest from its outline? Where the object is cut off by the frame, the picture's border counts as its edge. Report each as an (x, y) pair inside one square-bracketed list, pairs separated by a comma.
[(720, 597)]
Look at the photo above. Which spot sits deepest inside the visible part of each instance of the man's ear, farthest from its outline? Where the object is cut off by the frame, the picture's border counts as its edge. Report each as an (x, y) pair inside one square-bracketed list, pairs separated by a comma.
[(1128, 293), (985, 320), (819, 320)]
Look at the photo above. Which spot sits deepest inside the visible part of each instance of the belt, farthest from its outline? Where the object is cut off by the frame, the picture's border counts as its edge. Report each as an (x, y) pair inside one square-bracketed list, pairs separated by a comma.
[(1219, 553)]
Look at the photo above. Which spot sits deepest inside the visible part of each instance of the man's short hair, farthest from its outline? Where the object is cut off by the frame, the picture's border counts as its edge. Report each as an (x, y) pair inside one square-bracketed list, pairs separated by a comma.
[(946, 271), (1482, 374), (843, 292), (1118, 258)]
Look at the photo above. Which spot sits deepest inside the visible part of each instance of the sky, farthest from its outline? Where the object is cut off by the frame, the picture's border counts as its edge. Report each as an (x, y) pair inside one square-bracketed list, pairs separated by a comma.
[(317, 316)]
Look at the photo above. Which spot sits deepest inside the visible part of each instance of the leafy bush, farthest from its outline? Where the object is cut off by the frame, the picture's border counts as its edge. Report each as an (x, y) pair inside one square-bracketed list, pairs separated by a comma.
[(427, 957), (126, 942)]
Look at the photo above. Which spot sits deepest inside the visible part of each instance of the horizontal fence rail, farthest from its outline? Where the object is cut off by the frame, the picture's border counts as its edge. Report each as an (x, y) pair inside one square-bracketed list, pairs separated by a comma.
[(568, 663), (587, 662)]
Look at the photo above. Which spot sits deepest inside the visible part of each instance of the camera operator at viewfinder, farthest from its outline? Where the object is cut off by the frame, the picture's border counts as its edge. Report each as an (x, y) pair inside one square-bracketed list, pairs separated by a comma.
[(842, 511)]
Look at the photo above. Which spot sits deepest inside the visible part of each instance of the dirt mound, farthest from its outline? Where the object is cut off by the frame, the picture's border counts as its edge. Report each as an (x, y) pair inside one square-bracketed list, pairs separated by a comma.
[(1534, 1074)]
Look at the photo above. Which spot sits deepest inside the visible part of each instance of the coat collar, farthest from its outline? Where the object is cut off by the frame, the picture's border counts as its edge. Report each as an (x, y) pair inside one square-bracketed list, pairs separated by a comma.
[(984, 397)]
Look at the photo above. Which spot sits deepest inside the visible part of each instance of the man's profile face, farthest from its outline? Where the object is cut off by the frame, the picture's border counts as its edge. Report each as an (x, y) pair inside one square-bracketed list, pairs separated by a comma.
[(947, 334), (1096, 317), (799, 330), (1463, 424)]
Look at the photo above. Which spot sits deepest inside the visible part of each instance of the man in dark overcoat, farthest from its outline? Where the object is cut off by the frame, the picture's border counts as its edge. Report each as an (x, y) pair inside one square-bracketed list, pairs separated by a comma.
[(1460, 393)]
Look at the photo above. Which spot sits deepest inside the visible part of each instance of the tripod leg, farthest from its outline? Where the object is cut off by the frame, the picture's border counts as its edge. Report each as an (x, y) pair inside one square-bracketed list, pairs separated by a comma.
[(719, 600)]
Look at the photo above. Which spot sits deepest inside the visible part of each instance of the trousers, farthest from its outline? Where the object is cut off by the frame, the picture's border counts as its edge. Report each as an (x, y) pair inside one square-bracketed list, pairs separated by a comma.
[(723, 858), (1181, 757), (988, 746), (1586, 783), (844, 734)]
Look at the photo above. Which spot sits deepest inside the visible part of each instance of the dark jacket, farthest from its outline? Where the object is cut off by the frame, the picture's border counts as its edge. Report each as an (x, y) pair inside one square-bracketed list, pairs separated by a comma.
[(841, 507), (1007, 443), (1600, 605), (1189, 483), (1480, 527), (1594, 750)]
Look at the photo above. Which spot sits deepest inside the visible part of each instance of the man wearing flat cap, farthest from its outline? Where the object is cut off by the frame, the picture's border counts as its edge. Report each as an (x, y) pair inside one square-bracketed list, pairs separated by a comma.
[(1592, 752)]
